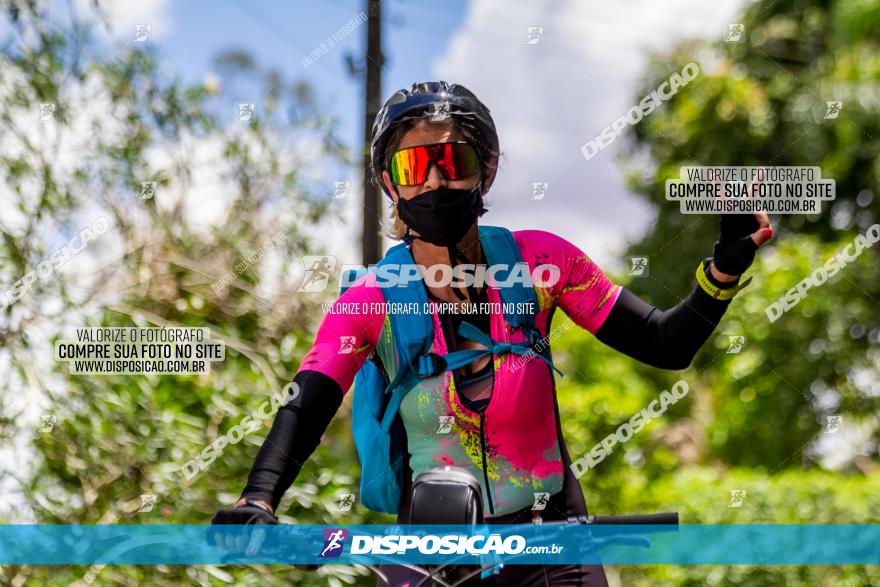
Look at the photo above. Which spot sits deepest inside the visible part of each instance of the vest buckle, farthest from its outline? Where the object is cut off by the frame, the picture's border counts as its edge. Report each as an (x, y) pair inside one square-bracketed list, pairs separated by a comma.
[(430, 365)]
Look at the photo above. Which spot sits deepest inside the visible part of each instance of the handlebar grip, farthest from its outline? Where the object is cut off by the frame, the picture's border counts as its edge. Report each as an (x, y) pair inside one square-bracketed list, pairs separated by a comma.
[(670, 518)]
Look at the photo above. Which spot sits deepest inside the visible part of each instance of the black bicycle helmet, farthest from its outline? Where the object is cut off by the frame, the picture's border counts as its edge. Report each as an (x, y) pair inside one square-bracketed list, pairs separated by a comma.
[(435, 100)]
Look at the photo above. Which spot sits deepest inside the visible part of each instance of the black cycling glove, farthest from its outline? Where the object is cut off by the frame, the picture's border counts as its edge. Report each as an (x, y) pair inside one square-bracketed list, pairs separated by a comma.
[(246, 514), (238, 540), (735, 249)]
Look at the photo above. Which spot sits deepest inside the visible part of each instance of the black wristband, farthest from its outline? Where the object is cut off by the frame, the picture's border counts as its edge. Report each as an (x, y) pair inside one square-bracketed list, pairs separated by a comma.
[(257, 504)]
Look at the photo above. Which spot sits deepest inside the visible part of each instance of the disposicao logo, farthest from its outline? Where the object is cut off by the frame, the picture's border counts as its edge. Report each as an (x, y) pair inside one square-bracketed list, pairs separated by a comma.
[(333, 542)]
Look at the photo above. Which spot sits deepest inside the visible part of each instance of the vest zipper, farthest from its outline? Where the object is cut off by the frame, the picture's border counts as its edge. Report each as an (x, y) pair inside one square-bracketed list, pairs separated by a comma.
[(485, 466)]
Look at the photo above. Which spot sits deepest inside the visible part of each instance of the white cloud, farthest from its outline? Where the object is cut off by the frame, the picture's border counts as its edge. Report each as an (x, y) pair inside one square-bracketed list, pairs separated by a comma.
[(549, 98), (123, 16)]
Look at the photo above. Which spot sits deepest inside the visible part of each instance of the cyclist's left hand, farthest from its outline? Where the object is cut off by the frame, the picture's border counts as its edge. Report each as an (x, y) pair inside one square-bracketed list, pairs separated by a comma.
[(239, 539), (740, 237)]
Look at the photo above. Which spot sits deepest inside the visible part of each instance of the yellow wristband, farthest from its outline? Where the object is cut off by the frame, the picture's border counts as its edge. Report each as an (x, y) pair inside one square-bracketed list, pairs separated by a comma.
[(715, 291)]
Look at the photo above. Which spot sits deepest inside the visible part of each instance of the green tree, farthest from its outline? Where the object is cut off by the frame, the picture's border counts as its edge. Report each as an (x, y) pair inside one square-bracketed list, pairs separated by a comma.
[(763, 102), (218, 245), (753, 420)]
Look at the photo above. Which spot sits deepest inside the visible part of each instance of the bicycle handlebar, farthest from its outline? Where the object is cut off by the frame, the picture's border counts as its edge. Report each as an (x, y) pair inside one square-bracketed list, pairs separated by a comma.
[(670, 518), (667, 518)]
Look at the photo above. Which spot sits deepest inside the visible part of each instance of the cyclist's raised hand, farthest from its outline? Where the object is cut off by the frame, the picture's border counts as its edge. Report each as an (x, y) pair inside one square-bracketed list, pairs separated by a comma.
[(741, 235), (739, 239)]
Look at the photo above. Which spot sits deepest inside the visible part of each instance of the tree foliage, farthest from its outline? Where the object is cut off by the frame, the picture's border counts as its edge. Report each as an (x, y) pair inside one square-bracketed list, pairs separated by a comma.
[(753, 420)]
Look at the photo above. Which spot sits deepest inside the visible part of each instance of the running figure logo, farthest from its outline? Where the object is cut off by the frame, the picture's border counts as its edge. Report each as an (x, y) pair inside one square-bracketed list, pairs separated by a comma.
[(346, 345), (639, 266), (539, 190), (833, 424), (318, 269), (535, 33), (832, 108), (246, 111), (342, 189), (47, 423), (735, 33), (737, 496), (541, 500), (736, 344), (148, 189), (47, 112), (333, 541), (445, 426), (346, 500), (148, 500), (441, 112), (142, 32)]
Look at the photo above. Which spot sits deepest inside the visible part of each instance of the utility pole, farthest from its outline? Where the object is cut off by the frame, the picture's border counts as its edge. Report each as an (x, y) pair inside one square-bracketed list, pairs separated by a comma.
[(371, 241)]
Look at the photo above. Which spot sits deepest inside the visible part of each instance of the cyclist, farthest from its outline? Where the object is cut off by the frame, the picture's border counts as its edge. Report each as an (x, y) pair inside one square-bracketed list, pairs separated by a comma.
[(435, 153)]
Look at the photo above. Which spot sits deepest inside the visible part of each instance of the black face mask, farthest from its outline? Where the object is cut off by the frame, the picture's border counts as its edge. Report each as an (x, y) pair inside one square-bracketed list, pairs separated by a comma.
[(443, 216)]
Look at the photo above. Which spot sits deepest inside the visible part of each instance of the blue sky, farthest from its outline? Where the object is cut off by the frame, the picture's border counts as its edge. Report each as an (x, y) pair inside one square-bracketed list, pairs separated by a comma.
[(281, 34)]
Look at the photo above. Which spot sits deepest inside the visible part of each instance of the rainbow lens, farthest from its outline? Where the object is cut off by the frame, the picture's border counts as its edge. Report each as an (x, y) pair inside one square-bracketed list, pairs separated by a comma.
[(455, 161)]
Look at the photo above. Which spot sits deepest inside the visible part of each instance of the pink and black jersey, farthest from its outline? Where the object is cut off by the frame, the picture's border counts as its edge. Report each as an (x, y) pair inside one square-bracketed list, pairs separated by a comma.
[(513, 444)]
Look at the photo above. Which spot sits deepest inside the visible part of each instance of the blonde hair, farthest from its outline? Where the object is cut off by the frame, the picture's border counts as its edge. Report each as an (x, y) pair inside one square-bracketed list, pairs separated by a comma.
[(395, 228)]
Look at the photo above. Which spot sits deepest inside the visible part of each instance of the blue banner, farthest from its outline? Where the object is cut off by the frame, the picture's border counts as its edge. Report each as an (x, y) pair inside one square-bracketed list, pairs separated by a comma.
[(845, 544)]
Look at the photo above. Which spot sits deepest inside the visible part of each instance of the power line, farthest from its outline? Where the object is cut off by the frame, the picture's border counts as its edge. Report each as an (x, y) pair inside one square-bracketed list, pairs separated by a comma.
[(269, 25), (537, 50)]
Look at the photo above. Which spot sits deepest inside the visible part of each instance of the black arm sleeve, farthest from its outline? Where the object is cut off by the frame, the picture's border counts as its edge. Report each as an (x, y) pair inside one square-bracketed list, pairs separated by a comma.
[(667, 339), (294, 436)]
